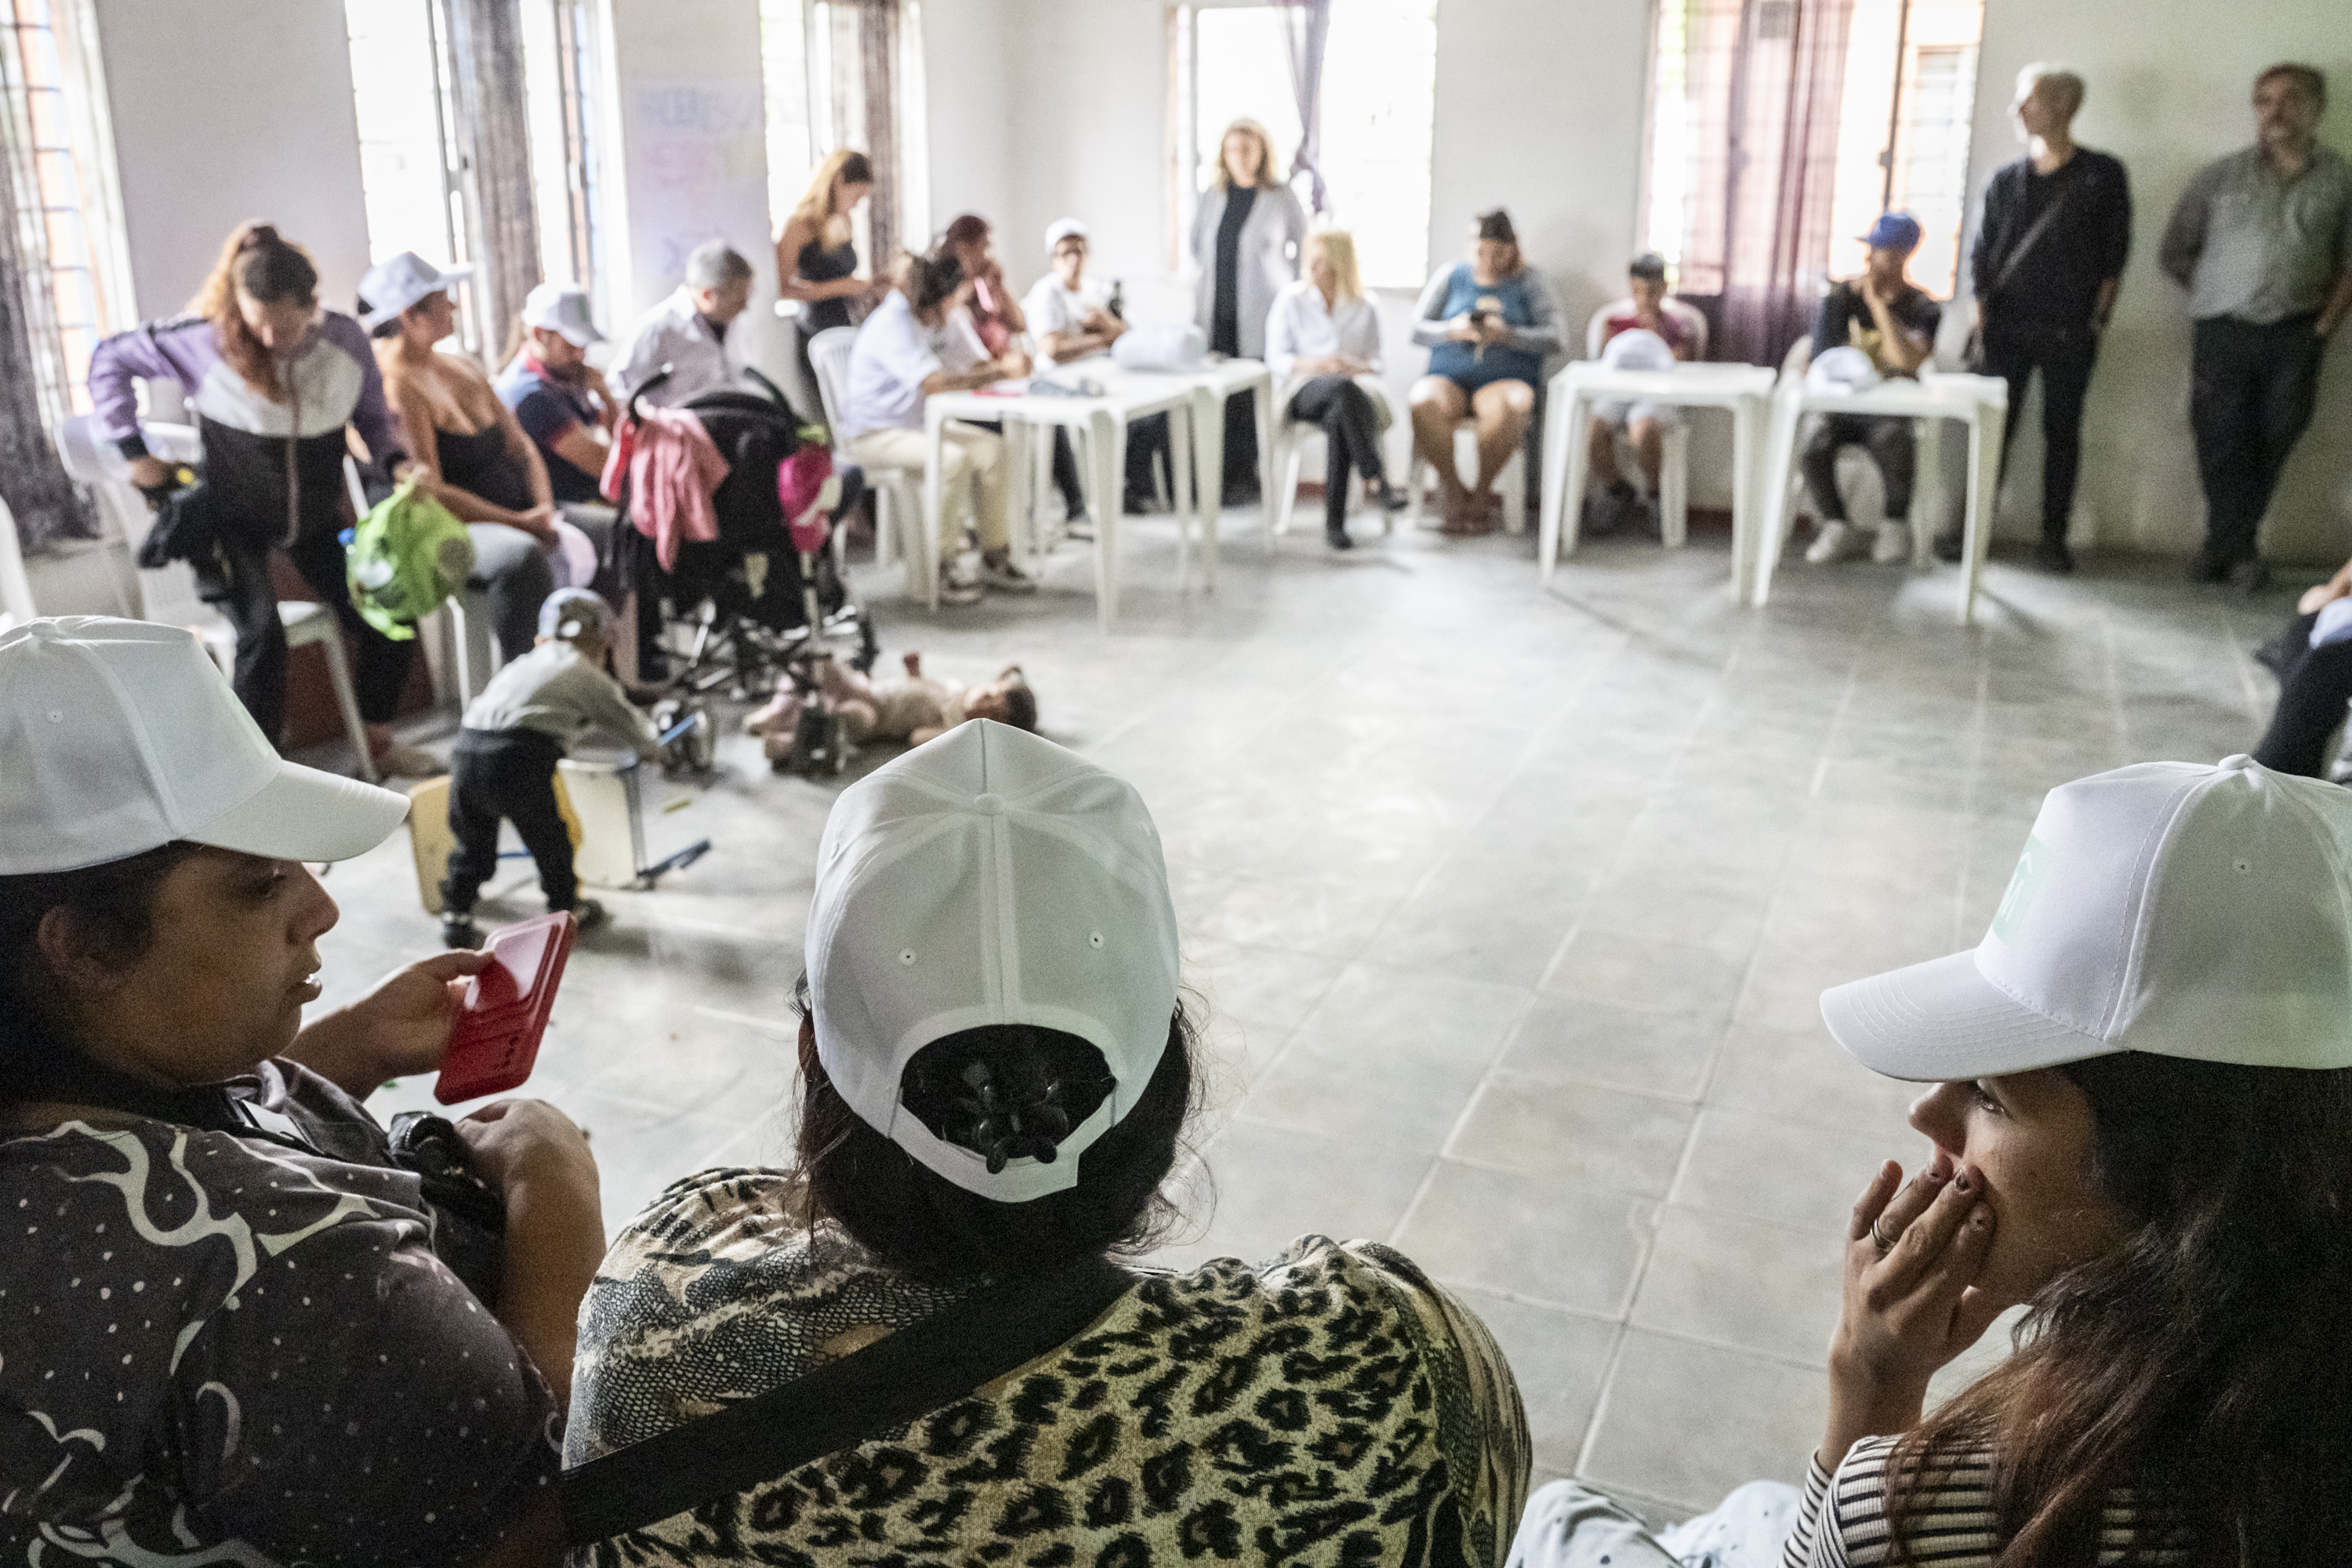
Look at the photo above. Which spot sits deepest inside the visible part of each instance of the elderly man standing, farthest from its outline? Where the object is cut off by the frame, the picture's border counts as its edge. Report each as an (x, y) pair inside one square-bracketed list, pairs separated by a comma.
[(688, 331), (2262, 242), (2049, 257)]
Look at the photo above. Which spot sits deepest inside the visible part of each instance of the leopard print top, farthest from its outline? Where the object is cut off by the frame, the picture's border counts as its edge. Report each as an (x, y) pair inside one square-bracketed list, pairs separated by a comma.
[(1331, 1405)]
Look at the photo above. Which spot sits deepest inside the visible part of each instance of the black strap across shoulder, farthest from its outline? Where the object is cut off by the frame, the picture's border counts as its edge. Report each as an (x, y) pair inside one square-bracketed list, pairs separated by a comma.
[(899, 1378)]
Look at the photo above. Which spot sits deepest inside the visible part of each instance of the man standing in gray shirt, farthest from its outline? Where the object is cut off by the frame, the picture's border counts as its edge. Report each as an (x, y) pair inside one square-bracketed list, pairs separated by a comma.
[(2262, 242)]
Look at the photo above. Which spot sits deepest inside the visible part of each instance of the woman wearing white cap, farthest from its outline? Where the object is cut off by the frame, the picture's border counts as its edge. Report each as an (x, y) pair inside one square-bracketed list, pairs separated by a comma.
[(272, 380), (2142, 1127), (232, 1333), (472, 456), (916, 1345)]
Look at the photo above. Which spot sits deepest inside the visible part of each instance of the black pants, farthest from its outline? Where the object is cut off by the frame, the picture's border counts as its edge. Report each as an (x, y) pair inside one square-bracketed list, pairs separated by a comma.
[(2250, 395), (2315, 685), (507, 773), (1351, 439), (2064, 356), (1889, 443), (250, 604)]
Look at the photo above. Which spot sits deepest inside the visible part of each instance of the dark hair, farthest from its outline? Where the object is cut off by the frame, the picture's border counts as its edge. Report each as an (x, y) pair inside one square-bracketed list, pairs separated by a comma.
[(387, 328), (259, 262), (969, 229), (1497, 226), (2205, 1361), (1008, 1090), (2310, 79), (1020, 702), (1650, 265), (112, 907), (931, 280)]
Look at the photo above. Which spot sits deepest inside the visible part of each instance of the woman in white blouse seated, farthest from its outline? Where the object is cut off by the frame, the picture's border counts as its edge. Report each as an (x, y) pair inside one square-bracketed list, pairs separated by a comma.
[(1069, 314), (1323, 343)]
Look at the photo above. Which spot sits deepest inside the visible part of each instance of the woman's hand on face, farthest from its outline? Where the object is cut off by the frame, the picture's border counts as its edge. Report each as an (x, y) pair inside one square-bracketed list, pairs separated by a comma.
[(1913, 1254), (405, 1020), (528, 1142)]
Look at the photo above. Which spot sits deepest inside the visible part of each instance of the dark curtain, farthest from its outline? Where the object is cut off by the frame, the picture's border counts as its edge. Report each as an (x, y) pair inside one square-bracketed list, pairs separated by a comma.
[(486, 59), (43, 500), (1305, 32), (1763, 81)]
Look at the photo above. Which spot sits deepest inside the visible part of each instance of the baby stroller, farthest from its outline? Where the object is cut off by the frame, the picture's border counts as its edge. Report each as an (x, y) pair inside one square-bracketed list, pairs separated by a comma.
[(731, 612)]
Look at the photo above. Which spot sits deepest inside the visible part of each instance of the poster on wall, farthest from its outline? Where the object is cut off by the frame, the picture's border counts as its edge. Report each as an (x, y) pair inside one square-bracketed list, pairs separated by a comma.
[(697, 171)]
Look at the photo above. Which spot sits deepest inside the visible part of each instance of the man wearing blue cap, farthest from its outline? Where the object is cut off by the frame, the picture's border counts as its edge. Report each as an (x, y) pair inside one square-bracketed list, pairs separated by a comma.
[(1895, 324)]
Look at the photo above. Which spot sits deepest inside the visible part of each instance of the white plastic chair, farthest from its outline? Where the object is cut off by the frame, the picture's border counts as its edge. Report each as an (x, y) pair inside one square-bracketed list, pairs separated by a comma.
[(169, 594), (894, 488), (1290, 438), (1860, 485), (1674, 468), (1512, 480)]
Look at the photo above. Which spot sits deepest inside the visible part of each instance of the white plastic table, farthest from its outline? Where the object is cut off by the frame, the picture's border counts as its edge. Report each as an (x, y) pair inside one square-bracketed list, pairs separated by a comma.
[(1194, 402), (1745, 389), (1979, 401)]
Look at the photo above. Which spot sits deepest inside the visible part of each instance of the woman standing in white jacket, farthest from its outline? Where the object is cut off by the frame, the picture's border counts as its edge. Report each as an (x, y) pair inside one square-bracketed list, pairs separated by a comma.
[(1323, 345), (1245, 242)]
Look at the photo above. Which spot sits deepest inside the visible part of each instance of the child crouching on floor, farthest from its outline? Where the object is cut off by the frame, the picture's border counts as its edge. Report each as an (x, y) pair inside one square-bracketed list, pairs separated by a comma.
[(504, 764), (913, 709)]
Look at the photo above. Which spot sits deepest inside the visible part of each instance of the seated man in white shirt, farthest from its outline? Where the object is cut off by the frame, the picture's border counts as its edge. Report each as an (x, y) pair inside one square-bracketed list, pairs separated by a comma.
[(912, 346), (1680, 330), (1073, 317), (688, 331), (1323, 345)]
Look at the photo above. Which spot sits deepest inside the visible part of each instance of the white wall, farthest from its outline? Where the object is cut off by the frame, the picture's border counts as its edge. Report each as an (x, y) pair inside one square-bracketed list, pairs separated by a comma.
[(968, 92), (2169, 92), (689, 110), (227, 111)]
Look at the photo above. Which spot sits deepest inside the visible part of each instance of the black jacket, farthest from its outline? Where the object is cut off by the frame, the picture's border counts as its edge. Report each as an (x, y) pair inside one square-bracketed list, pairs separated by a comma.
[(2055, 283)]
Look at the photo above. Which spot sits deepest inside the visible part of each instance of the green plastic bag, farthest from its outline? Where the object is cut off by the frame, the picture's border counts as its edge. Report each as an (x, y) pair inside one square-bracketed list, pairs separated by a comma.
[(406, 556)]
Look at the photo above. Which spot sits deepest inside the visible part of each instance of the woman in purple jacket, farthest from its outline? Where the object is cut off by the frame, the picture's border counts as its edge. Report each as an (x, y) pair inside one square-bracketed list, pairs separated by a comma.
[(274, 383)]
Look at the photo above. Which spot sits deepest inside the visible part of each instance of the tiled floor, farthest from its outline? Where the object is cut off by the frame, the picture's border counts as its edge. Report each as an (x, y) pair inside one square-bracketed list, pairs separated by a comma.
[(1509, 910)]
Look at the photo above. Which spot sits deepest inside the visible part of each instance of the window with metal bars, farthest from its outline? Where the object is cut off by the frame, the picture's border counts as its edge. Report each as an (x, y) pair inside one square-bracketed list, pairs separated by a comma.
[(1780, 130), (57, 180)]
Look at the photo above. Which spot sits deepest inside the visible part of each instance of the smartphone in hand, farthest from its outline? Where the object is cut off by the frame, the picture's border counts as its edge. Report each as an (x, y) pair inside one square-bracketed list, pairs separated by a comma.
[(494, 1041)]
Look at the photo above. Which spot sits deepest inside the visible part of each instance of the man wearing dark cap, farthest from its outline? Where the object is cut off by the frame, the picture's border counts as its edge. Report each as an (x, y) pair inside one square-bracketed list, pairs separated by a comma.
[(1894, 324)]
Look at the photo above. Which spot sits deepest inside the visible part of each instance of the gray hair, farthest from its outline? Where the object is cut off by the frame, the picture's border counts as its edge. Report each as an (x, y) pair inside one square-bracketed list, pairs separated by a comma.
[(714, 265), (2067, 84)]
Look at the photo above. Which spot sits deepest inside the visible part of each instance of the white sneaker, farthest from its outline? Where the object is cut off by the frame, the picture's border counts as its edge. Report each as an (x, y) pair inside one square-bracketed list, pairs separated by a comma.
[(1892, 544), (957, 589), (1829, 545)]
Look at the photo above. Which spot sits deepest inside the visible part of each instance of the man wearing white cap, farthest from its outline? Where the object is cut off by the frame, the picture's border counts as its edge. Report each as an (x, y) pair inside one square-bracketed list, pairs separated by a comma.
[(997, 1071), (2141, 1118), (558, 398), (232, 1333)]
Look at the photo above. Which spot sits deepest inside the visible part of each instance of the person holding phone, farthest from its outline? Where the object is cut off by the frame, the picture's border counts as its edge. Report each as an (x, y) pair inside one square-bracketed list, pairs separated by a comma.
[(1488, 323), (232, 1335)]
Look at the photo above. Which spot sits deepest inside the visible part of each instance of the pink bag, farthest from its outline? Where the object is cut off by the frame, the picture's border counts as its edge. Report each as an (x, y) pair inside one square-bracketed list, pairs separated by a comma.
[(807, 489)]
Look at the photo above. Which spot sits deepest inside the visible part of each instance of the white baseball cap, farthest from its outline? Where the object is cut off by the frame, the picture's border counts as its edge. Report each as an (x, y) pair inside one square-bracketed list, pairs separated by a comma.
[(2172, 908), (118, 737), (989, 877), (1061, 229), (393, 285), (561, 308)]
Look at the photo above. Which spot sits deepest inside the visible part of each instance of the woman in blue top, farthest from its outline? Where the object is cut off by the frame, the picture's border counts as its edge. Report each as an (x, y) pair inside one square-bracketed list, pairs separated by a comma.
[(1487, 323)]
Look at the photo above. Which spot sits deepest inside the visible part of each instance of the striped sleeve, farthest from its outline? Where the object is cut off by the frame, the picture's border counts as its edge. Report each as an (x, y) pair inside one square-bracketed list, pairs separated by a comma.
[(1842, 1522), (1799, 1550)]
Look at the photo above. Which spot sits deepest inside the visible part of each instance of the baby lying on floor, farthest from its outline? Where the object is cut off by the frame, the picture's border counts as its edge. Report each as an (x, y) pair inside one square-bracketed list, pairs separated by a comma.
[(913, 709)]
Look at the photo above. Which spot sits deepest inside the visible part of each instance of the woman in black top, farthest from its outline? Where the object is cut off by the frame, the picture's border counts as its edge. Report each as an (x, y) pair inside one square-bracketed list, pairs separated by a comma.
[(472, 454), (816, 260), (1245, 240)]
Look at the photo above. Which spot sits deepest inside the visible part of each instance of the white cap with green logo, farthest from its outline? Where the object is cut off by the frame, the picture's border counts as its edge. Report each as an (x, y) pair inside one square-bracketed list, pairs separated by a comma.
[(2172, 908)]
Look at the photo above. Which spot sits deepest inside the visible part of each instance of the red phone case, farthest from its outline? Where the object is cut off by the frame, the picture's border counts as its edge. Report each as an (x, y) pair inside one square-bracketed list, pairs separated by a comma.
[(496, 1038)]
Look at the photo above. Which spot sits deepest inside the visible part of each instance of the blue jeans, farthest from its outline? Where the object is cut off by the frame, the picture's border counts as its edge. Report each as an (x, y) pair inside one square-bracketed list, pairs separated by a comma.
[(1571, 1526)]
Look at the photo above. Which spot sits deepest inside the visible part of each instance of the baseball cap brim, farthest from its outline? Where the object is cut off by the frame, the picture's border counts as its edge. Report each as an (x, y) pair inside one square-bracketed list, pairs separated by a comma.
[(302, 813), (1942, 1021)]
